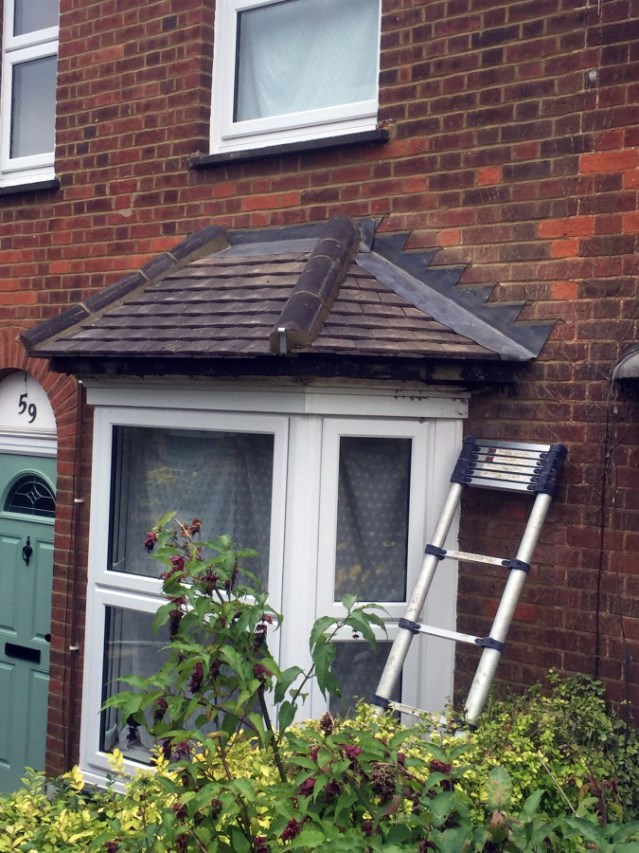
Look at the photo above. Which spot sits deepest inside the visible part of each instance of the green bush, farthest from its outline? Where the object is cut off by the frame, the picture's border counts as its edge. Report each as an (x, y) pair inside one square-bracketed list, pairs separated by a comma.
[(547, 771)]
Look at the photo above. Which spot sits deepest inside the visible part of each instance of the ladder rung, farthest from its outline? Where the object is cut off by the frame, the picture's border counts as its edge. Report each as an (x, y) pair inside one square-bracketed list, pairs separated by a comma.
[(475, 558), (445, 634), (398, 706)]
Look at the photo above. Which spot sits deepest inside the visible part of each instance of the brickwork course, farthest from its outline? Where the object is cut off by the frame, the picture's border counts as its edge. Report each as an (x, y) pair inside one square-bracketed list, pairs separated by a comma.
[(513, 133)]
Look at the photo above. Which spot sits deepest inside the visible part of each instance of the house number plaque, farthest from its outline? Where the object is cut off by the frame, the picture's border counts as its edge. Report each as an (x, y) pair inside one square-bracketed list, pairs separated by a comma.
[(24, 406)]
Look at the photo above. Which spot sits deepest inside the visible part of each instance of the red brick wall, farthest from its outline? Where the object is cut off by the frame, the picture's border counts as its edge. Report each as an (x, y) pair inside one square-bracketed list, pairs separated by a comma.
[(513, 148)]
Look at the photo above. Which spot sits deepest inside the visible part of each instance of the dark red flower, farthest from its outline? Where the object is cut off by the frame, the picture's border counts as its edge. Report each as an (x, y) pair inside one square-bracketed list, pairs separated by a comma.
[(209, 582), (181, 750), (259, 844), (195, 526), (150, 539), (180, 810), (174, 621), (351, 751), (332, 789), (111, 847), (160, 709), (437, 766), (307, 786), (291, 830), (261, 672), (197, 676)]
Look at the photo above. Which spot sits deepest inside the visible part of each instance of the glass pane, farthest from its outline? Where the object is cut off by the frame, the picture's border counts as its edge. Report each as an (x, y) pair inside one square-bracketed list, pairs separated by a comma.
[(33, 107), (372, 518), (31, 495), (32, 15), (358, 669), (306, 54), (223, 478), (131, 648)]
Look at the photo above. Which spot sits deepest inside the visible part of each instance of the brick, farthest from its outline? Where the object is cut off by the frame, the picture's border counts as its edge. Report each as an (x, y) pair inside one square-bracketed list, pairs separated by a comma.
[(608, 161)]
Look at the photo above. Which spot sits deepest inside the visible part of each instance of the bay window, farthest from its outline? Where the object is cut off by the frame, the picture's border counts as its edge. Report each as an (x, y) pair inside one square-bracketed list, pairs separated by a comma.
[(336, 492)]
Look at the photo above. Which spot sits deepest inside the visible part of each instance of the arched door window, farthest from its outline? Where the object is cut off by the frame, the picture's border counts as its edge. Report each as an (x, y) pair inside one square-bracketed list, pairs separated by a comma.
[(31, 495)]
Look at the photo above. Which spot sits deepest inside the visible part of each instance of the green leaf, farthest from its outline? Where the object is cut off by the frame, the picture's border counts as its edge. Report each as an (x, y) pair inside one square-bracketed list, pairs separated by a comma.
[(349, 601), (309, 838), (358, 622), (323, 658), (285, 680), (285, 715), (320, 626), (587, 830), (531, 806), (499, 789), (441, 806)]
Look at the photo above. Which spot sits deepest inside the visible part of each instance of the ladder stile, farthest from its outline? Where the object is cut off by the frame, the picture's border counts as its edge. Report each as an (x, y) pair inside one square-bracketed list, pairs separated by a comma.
[(401, 644), (487, 464), (489, 660)]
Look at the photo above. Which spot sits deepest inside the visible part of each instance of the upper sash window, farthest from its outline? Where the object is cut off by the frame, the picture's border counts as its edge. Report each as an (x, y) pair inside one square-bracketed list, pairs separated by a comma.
[(28, 91), (291, 70)]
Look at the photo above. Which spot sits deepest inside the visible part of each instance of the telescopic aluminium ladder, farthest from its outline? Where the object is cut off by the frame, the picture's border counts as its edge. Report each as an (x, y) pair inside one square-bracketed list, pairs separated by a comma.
[(507, 466)]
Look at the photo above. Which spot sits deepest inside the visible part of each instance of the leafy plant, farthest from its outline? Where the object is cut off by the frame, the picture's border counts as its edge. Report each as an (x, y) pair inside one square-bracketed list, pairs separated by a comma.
[(530, 778)]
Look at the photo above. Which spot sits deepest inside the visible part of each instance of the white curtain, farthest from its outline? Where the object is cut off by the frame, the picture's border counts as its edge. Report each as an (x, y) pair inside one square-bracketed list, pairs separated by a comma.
[(222, 478), (301, 55), (372, 518)]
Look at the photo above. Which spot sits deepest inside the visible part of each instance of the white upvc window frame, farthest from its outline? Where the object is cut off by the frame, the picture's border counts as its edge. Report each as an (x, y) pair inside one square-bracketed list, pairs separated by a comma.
[(108, 588), (306, 424), (228, 135), (38, 44)]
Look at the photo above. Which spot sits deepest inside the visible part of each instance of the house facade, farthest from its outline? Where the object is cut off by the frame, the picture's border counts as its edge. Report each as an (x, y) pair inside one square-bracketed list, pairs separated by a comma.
[(268, 262)]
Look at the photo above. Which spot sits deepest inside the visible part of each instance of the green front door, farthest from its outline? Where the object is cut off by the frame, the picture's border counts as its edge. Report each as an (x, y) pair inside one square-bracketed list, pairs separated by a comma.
[(27, 507)]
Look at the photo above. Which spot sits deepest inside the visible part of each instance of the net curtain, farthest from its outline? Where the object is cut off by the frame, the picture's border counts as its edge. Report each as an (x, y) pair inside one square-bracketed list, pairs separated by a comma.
[(302, 55)]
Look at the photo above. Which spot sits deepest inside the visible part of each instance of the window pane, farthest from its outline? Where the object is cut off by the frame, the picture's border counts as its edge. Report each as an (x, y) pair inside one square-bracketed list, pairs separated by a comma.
[(131, 648), (33, 107), (223, 478), (358, 669), (306, 54), (372, 518), (31, 495), (32, 15)]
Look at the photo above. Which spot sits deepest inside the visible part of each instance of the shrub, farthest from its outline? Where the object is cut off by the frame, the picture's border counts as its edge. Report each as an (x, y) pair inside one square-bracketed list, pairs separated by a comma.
[(533, 776)]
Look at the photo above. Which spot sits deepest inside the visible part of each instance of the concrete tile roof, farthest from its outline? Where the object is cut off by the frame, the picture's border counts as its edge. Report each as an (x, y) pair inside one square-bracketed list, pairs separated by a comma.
[(333, 289)]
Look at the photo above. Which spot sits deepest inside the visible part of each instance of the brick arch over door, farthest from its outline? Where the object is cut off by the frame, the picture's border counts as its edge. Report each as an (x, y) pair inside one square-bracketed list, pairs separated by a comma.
[(63, 393)]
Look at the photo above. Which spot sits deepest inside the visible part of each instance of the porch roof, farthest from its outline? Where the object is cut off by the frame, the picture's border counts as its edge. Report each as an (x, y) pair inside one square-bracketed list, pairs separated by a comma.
[(330, 290)]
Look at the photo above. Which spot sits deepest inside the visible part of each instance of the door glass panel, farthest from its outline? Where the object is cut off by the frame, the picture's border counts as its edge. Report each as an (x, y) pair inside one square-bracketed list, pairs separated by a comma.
[(131, 648), (358, 669), (223, 478), (32, 15), (372, 518), (33, 107), (31, 495)]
